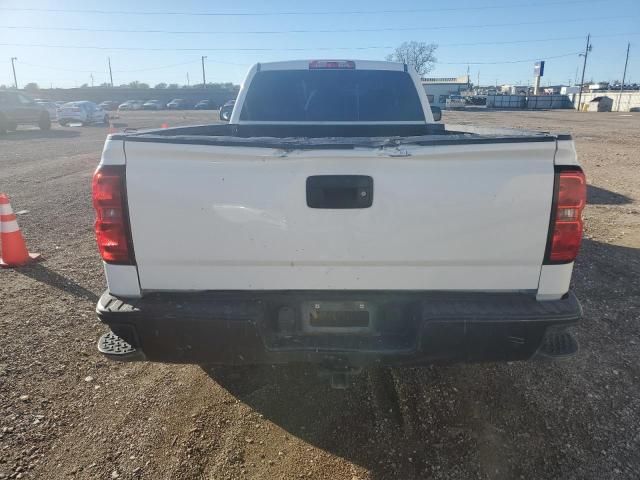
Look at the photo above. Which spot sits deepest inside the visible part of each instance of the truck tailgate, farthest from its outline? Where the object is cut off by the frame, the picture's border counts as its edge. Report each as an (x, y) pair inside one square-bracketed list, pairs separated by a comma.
[(449, 217)]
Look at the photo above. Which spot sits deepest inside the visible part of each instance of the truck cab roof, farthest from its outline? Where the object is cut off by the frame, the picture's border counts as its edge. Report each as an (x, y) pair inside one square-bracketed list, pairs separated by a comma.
[(331, 64)]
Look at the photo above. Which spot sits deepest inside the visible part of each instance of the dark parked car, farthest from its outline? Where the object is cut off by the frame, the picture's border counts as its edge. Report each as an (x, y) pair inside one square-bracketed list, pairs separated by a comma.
[(178, 104), (226, 109), (206, 105), (18, 109)]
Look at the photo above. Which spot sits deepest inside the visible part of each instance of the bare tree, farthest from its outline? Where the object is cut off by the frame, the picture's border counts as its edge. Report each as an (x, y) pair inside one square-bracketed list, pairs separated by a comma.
[(418, 54)]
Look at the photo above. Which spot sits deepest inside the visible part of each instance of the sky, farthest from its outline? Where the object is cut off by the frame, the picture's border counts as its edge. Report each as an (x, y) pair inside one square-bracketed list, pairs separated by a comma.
[(64, 44)]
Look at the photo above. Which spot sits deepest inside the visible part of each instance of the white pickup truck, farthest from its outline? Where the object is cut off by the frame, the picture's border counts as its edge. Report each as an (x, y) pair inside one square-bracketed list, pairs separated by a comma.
[(332, 221)]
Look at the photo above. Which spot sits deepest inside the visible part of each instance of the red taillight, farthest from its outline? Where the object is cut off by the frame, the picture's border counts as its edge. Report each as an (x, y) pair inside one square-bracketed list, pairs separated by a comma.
[(332, 64), (112, 222), (566, 228)]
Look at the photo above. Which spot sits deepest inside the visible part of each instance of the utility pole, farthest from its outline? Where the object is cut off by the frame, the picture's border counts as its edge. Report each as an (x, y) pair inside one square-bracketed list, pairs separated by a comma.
[(587, 49), (91, 79), (110, 73), (15, 81), (468, 79), (187, 79), (204, 80), (626, 62)]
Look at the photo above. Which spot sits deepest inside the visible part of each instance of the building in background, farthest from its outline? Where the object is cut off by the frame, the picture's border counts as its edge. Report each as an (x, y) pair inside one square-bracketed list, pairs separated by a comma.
[(439, 89), (570, 90), (552, 89), (516, 89)]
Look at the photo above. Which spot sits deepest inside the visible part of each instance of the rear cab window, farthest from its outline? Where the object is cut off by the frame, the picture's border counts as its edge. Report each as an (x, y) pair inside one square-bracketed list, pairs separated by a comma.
[(332, 96)]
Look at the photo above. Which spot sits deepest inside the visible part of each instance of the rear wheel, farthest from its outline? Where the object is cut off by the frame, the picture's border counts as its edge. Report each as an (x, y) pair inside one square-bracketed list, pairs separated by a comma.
[(45, 122), (63, 123)]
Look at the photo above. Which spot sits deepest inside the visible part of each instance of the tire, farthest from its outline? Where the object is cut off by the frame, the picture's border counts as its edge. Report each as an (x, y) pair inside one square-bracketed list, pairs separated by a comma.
[(45, 122), (63, 123)]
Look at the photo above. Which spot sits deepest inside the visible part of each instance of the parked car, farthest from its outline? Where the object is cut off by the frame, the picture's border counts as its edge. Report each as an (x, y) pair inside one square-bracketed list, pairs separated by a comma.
[(226, 109), (18, 109), (50, 107), (109, 105), (59, 103), (333, 221), (153, 105), (206, 105), (455, 102), (131, 105), (178, 104), (85, 113)]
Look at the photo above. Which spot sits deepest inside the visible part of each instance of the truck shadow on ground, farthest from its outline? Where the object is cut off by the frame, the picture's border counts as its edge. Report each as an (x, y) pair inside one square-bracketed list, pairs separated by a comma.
[(20, 135), (409, 423), (41, 273), (601, 196), (471, 421)]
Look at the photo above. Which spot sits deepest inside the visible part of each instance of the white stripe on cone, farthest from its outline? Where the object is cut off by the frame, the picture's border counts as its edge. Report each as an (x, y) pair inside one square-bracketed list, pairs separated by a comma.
[(5, 209), (9, 226)]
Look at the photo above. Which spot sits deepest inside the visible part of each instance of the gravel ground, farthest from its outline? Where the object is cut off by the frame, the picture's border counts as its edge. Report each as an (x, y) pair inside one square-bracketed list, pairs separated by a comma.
[(65, 412)]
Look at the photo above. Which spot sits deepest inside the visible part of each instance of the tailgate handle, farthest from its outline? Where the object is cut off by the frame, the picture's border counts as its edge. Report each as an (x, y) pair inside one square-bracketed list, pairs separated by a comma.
[(339, 191)]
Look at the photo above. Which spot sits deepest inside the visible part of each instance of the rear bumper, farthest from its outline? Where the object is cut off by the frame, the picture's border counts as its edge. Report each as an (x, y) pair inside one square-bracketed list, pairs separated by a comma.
[(230, 328)]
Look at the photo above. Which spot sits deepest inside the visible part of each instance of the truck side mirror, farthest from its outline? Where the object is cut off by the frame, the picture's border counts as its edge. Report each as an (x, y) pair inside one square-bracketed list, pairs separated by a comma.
[(437, 113)]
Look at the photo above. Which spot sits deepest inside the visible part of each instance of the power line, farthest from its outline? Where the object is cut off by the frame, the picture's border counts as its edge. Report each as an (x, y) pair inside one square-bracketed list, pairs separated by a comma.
[(73, 70), (155, 68), (196, 49), (508, 42), (84, 47), (200, 49), (511, 61), (300, 12), (332, 30), (114, 71)]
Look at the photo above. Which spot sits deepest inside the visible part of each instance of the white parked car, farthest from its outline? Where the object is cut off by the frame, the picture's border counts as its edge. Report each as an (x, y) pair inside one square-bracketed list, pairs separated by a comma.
[(153, 105), (50, 107), (83, 112), (131, 105)]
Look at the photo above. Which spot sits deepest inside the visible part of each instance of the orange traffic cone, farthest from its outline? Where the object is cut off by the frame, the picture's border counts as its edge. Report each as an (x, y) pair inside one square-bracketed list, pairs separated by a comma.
[(14, 250), (164, 125)]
